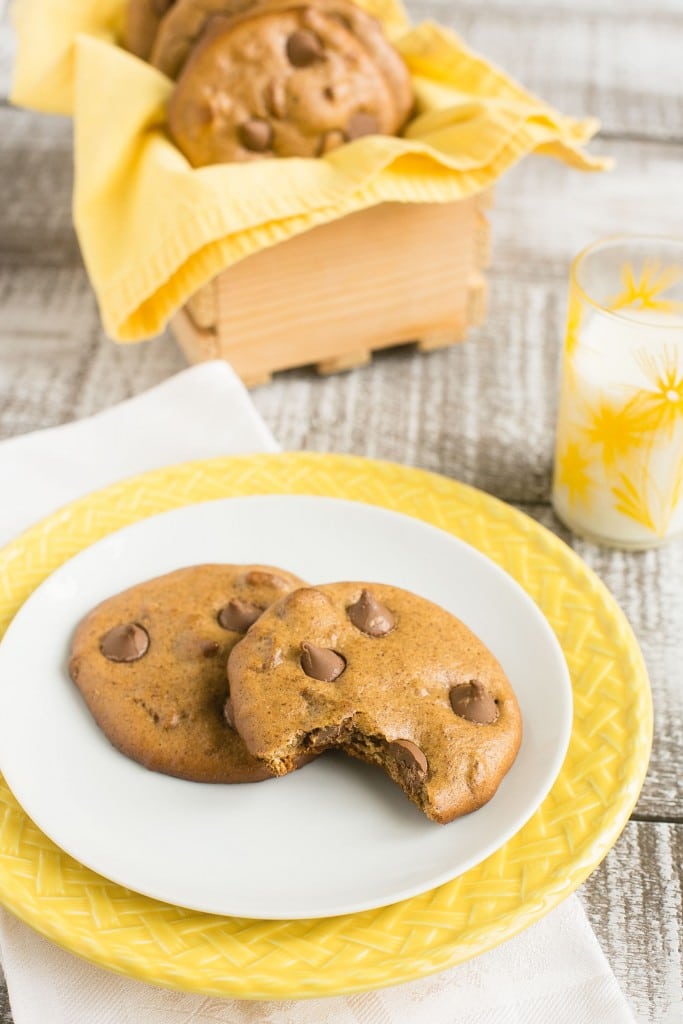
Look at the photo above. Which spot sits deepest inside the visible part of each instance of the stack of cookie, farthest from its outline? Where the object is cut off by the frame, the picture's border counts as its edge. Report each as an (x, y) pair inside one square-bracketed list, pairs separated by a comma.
[(266, 78), (223, 673)]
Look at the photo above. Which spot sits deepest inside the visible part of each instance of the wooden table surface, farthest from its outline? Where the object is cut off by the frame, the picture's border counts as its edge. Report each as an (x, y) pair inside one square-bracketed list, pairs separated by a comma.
[(482, 412)]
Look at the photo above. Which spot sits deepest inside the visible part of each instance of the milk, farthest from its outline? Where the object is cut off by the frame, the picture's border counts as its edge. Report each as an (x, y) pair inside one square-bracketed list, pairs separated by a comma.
[(628, 366)]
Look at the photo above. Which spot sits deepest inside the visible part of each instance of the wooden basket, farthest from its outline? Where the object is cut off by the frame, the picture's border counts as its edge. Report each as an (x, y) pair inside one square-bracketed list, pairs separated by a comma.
[(392, 274)]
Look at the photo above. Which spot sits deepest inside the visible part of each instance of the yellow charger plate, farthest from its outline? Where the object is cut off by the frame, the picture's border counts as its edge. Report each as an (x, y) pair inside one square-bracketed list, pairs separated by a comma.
[(548, 858)]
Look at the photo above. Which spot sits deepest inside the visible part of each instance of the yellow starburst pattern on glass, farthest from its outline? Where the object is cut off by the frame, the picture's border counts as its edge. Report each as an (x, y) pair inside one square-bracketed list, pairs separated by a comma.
[(633, 501), (645, 290), (572, 471), (660, 408), (618, 430)]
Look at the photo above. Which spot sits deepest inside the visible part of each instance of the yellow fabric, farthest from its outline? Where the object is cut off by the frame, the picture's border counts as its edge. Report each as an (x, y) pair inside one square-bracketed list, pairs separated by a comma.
[(153, 230)]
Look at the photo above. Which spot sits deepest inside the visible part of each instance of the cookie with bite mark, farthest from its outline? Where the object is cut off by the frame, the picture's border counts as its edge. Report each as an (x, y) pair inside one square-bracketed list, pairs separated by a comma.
[(150, 663), (386, 676), (286, 80)]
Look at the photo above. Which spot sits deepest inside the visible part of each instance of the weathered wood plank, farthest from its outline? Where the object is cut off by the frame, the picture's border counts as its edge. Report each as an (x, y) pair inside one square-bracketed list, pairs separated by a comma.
[(634, 904), (457, 410), (544, 214), (7, 49), (5, 1011), (648, 588), (36, 171), (597, 59), (56, 364)]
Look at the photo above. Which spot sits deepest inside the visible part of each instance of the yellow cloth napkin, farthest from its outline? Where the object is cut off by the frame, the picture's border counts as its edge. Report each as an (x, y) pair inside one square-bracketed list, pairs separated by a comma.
[(153, 230)]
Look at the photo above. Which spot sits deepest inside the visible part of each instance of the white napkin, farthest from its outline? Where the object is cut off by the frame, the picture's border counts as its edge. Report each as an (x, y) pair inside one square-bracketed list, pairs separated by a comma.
[(554, 971), (197, 414)]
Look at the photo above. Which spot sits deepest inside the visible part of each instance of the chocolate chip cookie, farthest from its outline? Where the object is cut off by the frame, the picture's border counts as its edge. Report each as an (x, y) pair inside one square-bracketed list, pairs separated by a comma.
[(287, 80), (386, 676), (151, 665)]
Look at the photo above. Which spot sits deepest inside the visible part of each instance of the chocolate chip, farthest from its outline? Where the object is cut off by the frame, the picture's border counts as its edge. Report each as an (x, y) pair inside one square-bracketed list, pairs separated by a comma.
[(304, 48), (328, 92), (258, 578), (238, 615), (210, 649), (409, 755), (371, 617), (125, 643), (321, 662), (360, 124), (472, 702), (256, 134)]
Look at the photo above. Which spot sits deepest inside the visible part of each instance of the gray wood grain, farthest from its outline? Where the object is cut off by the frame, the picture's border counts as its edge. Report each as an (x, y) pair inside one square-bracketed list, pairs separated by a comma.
[(655, 611), (36, 172), (5, 1011), (634, 904), (7, 49), (482, 412), (619, 65)]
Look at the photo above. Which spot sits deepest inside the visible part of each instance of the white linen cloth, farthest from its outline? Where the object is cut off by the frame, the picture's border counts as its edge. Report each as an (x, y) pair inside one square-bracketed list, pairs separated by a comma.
[(554, 971)]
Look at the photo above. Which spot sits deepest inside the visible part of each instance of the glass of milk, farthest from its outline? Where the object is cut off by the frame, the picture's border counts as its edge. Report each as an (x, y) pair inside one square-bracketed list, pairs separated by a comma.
[(618, 475)]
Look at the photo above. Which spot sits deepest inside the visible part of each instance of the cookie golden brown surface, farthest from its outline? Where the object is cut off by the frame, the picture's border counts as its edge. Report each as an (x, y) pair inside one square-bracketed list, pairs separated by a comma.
[(150, 663), (287, 80), (143, 18), (182, 26), (386, 676)]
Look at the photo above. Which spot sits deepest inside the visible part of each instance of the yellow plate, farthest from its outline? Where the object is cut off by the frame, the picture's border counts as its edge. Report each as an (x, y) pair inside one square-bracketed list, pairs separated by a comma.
[(549, 857)]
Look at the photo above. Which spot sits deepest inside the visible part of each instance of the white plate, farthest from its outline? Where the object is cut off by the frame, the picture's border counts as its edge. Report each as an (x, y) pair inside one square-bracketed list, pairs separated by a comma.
[(337, 836)]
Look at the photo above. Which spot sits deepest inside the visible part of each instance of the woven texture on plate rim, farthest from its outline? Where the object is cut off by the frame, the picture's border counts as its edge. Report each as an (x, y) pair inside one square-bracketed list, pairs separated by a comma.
[(549, 857)]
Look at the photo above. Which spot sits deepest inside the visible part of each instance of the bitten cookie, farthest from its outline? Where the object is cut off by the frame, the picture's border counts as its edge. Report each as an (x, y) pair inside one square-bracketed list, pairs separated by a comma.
[(143, 18), (287, 80), (386, 676), (151, 665)]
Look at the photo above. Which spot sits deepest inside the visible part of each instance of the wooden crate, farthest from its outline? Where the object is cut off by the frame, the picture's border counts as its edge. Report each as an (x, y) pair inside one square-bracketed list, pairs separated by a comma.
[(389, 275)]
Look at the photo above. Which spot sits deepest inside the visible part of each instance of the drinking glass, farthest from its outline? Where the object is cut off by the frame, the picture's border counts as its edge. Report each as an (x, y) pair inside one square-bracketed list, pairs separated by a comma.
[(618, 473)]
